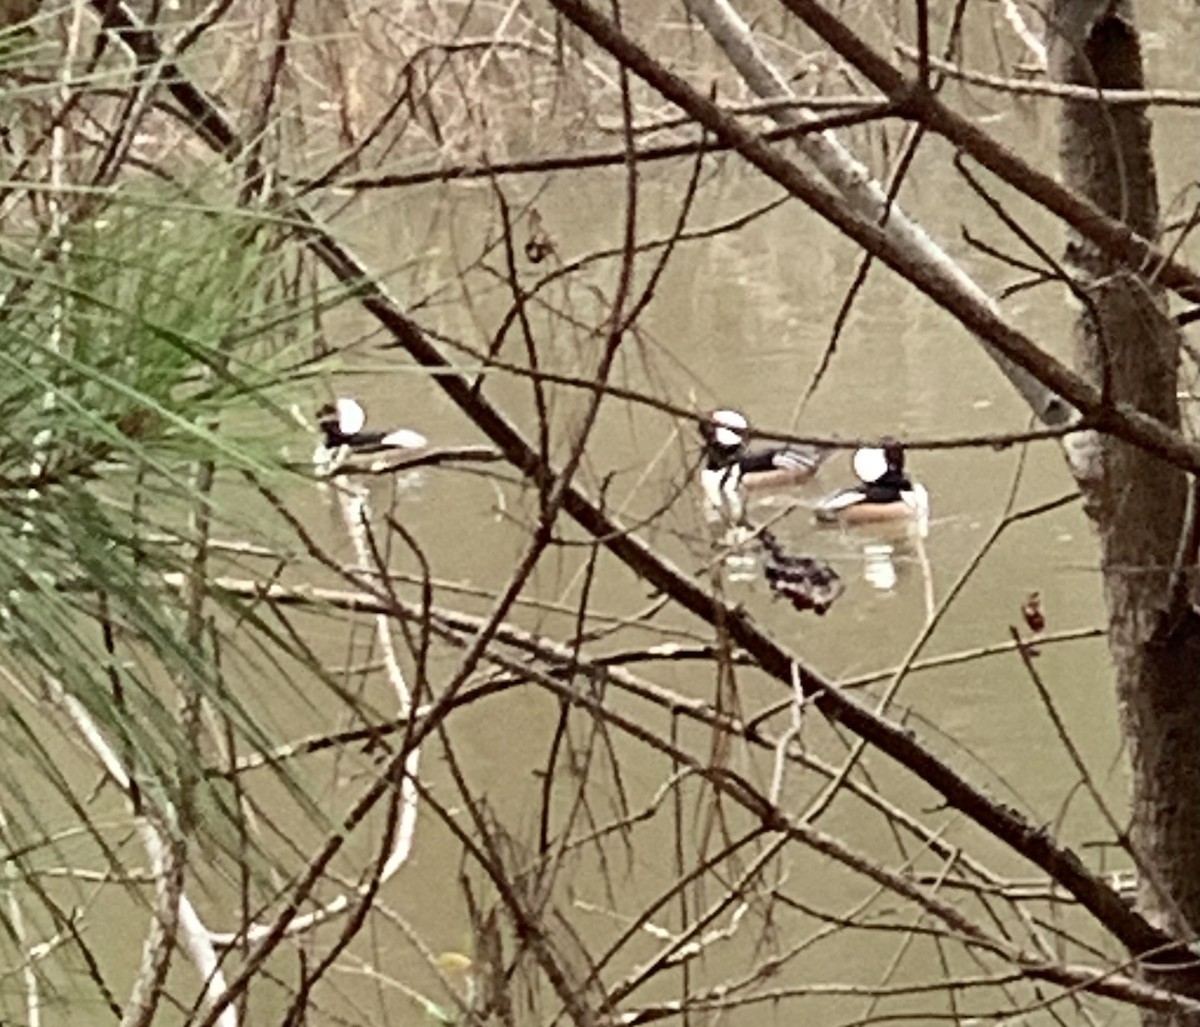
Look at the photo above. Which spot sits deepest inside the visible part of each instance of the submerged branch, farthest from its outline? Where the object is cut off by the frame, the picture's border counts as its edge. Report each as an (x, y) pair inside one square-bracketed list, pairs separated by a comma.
[(154, 828)]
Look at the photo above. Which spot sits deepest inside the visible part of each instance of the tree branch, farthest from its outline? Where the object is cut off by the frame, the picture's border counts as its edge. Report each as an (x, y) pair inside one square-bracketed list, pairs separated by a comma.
[(902, 745), (1109, 234)]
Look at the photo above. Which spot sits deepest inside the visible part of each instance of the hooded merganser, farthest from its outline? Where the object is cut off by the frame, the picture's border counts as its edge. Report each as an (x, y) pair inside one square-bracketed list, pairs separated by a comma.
[(807, 583), (342, 423), (730, 467), (886, 492)]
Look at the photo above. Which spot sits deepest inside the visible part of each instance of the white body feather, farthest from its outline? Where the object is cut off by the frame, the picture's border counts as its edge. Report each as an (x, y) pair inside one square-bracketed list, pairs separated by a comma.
[(404, 438), (722, 492)]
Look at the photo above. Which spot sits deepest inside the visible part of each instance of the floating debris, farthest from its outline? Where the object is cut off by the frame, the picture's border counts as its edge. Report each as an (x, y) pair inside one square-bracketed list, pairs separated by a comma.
[(1032, 612), (805, 582)]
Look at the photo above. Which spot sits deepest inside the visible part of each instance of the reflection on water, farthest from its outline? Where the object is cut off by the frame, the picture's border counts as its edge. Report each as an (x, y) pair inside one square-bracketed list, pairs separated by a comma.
[(894, 553), (879, 569), (889, 551), (740, 552)]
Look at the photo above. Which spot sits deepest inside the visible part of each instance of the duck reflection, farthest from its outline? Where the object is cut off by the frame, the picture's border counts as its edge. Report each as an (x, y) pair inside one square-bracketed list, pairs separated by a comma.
[(750, 554), (889, 561), (739, 549), (879, 569)]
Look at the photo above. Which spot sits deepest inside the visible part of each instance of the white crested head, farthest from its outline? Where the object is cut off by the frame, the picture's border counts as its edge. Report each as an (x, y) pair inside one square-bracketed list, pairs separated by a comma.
[(351, 416), (870, 464), (729, 427)]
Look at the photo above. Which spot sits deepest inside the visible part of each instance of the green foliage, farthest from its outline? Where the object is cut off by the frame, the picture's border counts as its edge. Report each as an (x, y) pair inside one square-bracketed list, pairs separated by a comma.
[(132, 353), (143, 331)]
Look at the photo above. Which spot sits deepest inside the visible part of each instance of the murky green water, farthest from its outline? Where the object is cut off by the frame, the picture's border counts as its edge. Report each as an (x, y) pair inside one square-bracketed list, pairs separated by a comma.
[(739, 319)]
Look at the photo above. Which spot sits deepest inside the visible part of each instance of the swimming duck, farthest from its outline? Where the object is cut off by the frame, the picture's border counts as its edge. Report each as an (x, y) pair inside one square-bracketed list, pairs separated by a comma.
[(730, 467), (886, 493), (807, 583), (342, 423)]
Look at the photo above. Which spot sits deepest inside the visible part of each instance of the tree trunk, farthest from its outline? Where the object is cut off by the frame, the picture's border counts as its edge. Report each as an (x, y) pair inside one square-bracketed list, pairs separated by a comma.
[(1138, 504)]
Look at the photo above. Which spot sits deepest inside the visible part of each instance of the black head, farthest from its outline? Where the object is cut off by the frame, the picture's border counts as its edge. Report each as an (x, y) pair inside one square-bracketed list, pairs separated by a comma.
[(341, 420), (329, 422), (893, 452)]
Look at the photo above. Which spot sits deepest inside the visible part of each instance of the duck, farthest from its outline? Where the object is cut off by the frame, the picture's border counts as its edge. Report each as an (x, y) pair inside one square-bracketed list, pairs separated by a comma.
[(343, 424), (885, 493), (805, 582), (731, 467)]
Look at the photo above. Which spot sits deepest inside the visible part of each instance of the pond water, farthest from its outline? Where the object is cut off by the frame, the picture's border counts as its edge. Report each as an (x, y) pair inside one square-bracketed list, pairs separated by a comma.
[(741, 319)]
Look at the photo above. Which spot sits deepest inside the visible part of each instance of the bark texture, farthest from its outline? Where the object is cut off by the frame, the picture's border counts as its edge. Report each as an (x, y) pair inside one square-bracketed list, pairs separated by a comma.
[(1127, 345)]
